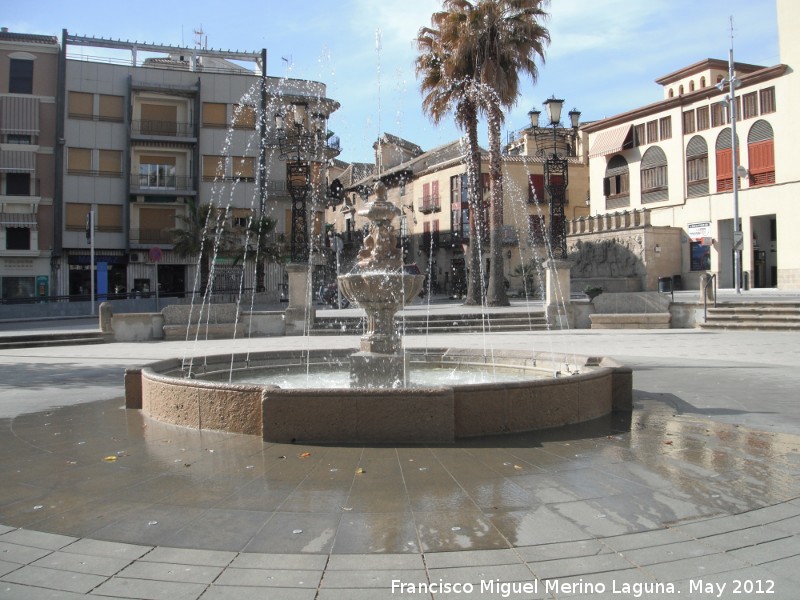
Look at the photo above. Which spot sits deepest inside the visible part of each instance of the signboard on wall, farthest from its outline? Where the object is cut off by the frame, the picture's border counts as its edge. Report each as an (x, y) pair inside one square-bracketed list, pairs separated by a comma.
[(698, 231)]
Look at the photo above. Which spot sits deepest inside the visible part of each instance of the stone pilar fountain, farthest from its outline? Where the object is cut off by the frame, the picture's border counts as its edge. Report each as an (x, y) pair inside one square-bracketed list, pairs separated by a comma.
[(380, 286)]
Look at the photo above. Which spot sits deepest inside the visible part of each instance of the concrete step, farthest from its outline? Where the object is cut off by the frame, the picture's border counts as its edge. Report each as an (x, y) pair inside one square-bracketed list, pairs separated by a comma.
[(11, 342), (777, 316)]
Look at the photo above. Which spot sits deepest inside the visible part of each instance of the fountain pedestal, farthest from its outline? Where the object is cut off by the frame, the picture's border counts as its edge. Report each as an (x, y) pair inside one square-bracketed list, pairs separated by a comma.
[(380, 286), (557, 292), (300, 311)]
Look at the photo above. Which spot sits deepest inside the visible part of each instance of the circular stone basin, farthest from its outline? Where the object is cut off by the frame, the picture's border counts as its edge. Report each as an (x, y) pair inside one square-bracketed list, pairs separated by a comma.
[(582, 389)]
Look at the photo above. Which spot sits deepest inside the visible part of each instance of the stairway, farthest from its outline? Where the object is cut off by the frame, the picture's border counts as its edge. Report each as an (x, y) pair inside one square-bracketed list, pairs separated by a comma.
[(773, 316), (422, 324), (40, 340)]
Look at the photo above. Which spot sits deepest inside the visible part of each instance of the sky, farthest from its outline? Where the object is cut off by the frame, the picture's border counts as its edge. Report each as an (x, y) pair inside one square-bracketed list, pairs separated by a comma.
[(603, 59)]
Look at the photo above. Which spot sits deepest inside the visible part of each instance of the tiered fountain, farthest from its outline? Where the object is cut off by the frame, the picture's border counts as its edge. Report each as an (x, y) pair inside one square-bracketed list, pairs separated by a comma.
[(378, 405)]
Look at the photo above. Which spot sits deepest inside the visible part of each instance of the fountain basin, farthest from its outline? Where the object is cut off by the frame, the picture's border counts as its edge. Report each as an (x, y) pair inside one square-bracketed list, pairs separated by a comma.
[(440, 414)]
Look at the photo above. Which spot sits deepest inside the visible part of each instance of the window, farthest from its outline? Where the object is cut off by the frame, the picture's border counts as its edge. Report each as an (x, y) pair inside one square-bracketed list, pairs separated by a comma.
[(213, 167), (638, 135), (750, 105), (109, 217), (241, 217), (244, 117), (652, 132), (79, 105), (665, 128), (680, 90), (110, 163), (156, 225), (18, 287), (691, 86), (214, 115), (18, 138), (761, 154), (724, 158), (111, 108), (20, 76), (768, 100), (702, 118), (719, 113), (18, 238), (654, 175), (700, 256), (75, 215), (157, 172), (702, 82), (696, 167), (18, 184), (79, 161), (616, 183), (243, 167), (159, 119), (459, 207), (535, 188), (688, 122)]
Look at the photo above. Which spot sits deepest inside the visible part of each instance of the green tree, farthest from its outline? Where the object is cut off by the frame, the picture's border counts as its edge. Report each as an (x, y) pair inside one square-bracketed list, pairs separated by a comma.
[(204, 234), (259, 246), (501, 40)]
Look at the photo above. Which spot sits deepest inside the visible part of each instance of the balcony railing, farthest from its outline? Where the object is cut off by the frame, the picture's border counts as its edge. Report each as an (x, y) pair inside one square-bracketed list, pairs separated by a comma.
[(161, 128), (430, 204), (152, 236), (151, 184), (31, 190)]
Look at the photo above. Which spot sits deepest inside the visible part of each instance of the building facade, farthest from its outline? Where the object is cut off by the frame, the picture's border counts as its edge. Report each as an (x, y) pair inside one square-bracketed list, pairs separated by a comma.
[(28, 90), (674, 159)]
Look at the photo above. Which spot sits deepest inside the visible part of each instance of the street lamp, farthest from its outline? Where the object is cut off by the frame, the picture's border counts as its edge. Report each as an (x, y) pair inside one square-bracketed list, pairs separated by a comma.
[(555, 166), (301, 139)]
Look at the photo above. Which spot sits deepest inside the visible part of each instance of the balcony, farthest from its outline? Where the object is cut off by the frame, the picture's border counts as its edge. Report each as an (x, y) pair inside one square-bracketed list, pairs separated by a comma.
[(152, 236), (162, 185), (162, 129), (25, 191), (430, 204)]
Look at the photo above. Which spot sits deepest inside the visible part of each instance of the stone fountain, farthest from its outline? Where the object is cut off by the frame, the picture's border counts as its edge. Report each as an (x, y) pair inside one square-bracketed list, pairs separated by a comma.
[(380, 286)]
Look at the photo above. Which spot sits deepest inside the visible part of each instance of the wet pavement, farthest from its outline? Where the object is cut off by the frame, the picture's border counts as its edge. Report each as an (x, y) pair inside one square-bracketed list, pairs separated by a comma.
[(698, 487)]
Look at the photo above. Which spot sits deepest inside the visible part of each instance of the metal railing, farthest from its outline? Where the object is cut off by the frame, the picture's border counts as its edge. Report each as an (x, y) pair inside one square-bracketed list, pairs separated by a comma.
[(161, 128), (709, 280), (165, 183)]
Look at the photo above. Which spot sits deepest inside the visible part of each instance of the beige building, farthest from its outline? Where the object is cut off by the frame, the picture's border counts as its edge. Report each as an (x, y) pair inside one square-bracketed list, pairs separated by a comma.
[(670, 165), (28, 90), (430, 187)]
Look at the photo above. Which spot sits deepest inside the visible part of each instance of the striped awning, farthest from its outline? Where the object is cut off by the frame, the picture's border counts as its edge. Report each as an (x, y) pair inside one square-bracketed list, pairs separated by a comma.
[(17, 161), (610, 141), (18, 219), (19, 114)]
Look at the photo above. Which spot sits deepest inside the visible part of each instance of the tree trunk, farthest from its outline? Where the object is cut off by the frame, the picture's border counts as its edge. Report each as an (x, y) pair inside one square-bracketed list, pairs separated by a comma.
[(496, 289), (476, 225)]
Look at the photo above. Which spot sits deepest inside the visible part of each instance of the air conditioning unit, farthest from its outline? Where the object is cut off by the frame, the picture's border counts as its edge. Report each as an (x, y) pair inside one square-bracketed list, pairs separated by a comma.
[(136, 257)]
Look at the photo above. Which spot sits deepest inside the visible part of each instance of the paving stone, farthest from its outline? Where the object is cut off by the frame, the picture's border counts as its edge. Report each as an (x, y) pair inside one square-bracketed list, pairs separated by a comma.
[(289, 562), (122, 587), (186, 556), (269, 578), (13, 591), (111, 549), (37, 539), (373, 578), (67, 581), (23, 555), (360, 562), (239, 592), (440, 560), (161, 571), (82, 563)]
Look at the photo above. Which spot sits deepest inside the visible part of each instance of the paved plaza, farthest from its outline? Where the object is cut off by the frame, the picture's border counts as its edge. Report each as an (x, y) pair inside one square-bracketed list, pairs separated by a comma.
[(695, 494)]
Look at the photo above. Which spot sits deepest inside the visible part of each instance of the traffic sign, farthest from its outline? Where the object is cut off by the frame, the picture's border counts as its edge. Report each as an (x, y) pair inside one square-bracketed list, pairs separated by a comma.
[(155, 254)]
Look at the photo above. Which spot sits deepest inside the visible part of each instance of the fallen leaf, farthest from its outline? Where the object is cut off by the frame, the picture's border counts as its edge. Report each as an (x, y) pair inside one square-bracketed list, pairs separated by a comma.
[(305, 454), (360, 471), (110, 458), (668, 442), (518, 468)]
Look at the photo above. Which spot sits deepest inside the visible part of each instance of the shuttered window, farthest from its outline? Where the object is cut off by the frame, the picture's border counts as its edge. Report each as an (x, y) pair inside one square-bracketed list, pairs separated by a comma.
[(654, 176), (111, 108), (109, 217), (244, 167), (80, 105), (79, 161), (697, 167), (702, 118), (761, 154), (244, 117), (213, 167), (214, 114), (110, 163), (767, 100), (724, 158), (75, 215), (535, 188)]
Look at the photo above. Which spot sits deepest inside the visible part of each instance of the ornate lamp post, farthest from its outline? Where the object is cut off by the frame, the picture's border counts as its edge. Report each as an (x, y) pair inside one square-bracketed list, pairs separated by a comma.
[(556, 179), (556, 175), (301, 142)]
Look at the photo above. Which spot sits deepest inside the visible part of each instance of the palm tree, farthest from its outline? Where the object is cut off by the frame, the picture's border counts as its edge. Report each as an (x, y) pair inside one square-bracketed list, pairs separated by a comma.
[(205, 233), (259, 246), (446, 90), (501, 39)]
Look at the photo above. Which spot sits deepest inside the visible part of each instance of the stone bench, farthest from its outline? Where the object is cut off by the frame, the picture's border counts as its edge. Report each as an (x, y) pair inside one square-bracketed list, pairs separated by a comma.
[(631, 310), (212, 321)]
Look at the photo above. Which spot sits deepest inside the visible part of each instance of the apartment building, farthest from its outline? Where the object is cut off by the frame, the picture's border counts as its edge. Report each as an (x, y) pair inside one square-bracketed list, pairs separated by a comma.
[(28, 91), (673, 159)]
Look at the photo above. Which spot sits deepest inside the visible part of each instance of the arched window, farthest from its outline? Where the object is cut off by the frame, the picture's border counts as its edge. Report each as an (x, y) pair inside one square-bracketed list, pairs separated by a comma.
[(725, 161), (655, 186), (761, 153), (702, 82), (691, 86), (680, 90), (616, 183), (671, 93), (696, 167)]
